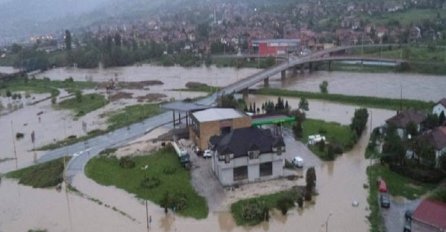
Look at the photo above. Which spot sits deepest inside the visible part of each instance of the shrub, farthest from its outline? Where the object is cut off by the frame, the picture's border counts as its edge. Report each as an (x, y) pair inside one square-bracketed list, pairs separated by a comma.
[(108, 151), (330, 152), (255, 211), (150, 182), (285, 203), (126, 162), (424, 175), (321, 145), (169, 170)]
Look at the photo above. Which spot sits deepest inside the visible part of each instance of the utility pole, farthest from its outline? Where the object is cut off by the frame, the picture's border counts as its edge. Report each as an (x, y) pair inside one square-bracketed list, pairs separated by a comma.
[(147, 208), (13, 143)]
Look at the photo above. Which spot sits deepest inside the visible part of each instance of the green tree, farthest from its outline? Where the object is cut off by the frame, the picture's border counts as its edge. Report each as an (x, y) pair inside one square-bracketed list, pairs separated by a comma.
[(78, 95), (68, 40), (432, 121), (359, 121), (303, 104), (323, 87), (310, 179), (441, 118)]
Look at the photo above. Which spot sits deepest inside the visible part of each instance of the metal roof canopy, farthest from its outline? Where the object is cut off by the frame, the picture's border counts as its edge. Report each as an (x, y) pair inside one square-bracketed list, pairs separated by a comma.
[(271, 119), (217, 114), (184, 106)]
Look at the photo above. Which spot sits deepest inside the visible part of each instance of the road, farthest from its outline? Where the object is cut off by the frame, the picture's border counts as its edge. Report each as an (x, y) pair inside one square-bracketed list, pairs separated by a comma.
[(394, 216), (83, 151)]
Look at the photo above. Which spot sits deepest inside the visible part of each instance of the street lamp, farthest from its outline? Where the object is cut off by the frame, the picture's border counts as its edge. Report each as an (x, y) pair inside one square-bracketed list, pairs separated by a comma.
[(147, 209), (326, 222)]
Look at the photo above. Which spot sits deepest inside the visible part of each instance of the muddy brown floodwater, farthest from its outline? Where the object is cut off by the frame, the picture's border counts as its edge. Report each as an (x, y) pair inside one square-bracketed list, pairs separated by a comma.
[(413, 86), (339, 183)]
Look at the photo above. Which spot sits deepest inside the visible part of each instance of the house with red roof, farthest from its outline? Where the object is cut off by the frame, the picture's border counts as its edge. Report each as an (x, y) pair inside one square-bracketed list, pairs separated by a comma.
[(429, 216)]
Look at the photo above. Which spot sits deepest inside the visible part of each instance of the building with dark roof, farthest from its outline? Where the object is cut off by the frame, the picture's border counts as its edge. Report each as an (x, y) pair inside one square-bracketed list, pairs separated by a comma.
[(215, 121), (429, 216), (402, 119), (437, 139), (247, 155)]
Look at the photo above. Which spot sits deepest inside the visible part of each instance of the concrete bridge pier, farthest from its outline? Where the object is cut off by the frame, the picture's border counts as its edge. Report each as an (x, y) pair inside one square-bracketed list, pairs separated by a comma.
[(310, 67), (266, 82), (283, 74), (245, 93), (302, 69)]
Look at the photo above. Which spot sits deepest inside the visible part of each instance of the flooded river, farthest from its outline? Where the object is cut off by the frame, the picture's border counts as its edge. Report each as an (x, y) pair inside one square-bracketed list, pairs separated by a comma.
[(339, 183), (391, 85), (172, 77)]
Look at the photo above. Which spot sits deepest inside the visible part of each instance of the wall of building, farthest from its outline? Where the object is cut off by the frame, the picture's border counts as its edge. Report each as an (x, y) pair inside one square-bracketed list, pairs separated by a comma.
[(418, 226), (225, 171), (438, 109), (209, 129)]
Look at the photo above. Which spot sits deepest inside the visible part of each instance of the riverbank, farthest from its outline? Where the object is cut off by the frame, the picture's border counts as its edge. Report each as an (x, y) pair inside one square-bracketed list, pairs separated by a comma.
[(375, 102)]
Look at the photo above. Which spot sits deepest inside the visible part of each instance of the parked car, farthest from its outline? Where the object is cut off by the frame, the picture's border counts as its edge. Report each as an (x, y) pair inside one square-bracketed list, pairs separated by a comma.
[(407, 225), (384, 201), (408, 215), (298, 161), (207, 154)]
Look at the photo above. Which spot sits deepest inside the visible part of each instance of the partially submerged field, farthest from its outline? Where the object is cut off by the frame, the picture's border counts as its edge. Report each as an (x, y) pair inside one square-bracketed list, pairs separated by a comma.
[(43, 175), (164, 181)]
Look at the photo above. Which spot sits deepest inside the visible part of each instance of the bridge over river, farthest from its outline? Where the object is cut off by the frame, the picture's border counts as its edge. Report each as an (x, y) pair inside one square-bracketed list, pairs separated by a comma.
[(294, 63)]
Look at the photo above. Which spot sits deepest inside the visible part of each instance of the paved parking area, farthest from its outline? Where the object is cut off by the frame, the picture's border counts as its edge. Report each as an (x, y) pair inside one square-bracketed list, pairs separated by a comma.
[(208, 186), (394, 216)]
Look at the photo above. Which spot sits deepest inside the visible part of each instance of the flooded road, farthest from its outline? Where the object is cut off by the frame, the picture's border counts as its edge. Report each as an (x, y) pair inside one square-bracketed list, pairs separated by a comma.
[(413, 86)]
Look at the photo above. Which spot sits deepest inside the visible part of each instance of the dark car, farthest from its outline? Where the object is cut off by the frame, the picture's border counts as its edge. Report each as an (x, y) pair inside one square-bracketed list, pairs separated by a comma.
[(408, 215), (384, 201), (407, 226)]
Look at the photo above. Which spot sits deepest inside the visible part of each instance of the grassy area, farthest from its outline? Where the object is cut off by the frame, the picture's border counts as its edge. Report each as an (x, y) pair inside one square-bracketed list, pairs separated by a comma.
[(376, 102), (87, 103), (399, 185), (339, 66), (375, 219), (439, 194), (131, 114), (162, 165), (270, 201), (335, 133), (405, 17), (43, 86), (43, 175)]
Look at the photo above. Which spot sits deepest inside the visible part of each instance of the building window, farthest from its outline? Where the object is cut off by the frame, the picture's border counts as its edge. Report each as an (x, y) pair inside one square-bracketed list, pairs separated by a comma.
[(253, 154), (225, 130), (266, 169), (241, 173)]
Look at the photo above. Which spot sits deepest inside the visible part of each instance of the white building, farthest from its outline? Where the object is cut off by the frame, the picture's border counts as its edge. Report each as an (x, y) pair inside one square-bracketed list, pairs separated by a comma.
[(247, 155), (440, 107)]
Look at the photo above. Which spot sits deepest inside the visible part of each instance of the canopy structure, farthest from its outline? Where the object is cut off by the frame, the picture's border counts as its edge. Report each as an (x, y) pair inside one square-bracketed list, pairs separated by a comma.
[(183, 109), (277, 119)]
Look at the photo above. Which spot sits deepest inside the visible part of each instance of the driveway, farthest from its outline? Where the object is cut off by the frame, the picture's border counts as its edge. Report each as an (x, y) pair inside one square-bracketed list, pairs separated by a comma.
[(394, 216), (205, 182)]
